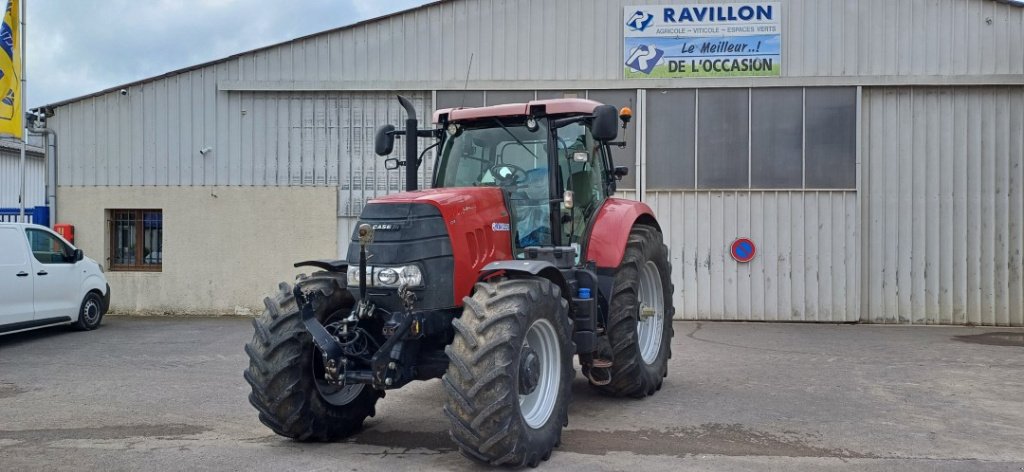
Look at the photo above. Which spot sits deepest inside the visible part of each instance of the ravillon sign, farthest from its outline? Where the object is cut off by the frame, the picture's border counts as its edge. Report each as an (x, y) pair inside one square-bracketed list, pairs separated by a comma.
[(703, 40)]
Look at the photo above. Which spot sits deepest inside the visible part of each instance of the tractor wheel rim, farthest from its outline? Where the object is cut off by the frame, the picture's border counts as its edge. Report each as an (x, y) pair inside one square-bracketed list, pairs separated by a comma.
[(651, 322), (537, 406), (339, 396), (333, 394)]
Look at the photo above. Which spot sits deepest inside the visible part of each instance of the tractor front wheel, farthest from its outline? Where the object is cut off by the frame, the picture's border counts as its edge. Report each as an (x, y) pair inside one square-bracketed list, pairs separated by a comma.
[(639, 331), (510, 375), (286, 373)]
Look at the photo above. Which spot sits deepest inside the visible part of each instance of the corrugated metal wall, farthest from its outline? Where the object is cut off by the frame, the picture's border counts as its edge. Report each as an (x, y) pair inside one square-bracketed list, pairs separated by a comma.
[(152, 135), (943, 205), (806, 267), (902, 38), (10, 178), (581, 40)]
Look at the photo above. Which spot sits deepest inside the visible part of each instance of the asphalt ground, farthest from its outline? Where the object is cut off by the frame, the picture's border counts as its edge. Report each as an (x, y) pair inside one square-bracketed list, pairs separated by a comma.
[(168, 394)]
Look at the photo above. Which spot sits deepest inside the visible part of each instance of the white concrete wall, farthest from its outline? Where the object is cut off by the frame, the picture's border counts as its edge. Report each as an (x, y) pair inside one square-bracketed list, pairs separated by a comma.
[(225, 248)]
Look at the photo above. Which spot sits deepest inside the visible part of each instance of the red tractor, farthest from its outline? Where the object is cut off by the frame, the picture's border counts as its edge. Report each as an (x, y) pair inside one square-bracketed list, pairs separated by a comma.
[(517, 259)]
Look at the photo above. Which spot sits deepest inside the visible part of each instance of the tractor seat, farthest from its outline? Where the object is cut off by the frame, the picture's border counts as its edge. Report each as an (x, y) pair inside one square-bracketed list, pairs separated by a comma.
[(582, 189)]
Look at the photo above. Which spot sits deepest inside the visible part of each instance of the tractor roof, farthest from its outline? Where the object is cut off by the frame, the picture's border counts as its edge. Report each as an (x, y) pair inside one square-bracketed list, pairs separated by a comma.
[(559, 106)]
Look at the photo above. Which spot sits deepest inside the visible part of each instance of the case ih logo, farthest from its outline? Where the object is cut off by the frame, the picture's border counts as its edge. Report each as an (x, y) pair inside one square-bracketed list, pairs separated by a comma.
[(386, 227), (644, 58), (640, 20)]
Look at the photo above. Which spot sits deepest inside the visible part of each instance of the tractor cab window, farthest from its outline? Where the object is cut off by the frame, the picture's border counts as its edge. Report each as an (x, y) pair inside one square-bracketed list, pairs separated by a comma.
[(504, 153), (492, 153), (581, 162)]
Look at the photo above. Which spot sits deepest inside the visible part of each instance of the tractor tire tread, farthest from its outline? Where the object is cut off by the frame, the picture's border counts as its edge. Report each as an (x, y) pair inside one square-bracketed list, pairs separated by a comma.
[(280, 358), (482, 402), (630, 376)]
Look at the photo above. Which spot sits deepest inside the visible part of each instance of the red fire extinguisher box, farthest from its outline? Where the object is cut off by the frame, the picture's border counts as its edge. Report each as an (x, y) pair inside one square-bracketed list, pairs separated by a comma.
[(66, 231)]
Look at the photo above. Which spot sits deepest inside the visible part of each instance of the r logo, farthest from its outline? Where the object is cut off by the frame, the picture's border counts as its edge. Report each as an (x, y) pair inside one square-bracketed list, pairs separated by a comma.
[(640, 20), (644, 58)]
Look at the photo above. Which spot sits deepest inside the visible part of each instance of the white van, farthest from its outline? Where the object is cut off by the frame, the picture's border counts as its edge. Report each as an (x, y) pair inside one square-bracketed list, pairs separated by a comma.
[(46, 281)]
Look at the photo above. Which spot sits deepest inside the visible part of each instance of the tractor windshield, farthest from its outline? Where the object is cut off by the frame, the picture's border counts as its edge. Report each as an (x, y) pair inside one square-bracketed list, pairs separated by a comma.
[(504, 153)]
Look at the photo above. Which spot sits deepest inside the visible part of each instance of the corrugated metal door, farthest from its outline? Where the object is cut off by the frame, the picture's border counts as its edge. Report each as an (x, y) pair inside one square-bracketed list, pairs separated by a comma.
[(723, 164), (10, 179), (943, 205), (806, 267)]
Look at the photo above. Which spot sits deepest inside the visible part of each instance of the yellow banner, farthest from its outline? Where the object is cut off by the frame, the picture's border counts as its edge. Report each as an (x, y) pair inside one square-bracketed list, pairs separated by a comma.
[(11, 110)]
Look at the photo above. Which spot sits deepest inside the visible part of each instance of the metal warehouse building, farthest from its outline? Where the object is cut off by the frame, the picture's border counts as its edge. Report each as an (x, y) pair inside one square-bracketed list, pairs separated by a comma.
[(872, 150)]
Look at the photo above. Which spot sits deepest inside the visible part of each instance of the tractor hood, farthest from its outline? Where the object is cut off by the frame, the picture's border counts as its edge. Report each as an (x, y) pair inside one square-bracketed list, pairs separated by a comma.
[(468, 226), (442, 198)]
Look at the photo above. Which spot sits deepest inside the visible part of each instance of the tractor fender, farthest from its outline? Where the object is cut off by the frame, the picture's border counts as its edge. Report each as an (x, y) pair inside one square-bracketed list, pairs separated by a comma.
[(536, 268), (614, 221)]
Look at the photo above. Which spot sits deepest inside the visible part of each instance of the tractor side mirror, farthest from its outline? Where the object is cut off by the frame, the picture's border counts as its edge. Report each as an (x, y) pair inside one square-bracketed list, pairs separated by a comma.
[(606, 123), (620, 171), (391, 164), (384, 141)]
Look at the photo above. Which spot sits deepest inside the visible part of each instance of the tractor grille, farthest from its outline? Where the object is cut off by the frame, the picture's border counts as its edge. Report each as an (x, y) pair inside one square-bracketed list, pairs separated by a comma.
[(407, 233)]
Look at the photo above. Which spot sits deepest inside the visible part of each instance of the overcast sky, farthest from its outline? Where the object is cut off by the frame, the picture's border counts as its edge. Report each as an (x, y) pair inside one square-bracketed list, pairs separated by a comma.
[(77, 47)]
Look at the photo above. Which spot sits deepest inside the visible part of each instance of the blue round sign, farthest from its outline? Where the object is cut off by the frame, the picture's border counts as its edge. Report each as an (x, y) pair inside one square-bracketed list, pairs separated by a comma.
[(743, 250)]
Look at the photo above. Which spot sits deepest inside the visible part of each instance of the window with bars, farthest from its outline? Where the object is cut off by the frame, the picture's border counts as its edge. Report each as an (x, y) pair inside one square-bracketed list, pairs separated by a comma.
[(136, 240)]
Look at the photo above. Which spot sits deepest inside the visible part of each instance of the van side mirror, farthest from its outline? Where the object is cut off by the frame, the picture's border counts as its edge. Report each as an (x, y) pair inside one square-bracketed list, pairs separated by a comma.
[(78, 255), (606, 123), (384, 141)]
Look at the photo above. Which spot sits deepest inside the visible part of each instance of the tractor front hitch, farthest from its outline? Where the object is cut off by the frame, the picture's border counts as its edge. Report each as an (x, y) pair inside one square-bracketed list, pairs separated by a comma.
[(330, 348), (336, 362)]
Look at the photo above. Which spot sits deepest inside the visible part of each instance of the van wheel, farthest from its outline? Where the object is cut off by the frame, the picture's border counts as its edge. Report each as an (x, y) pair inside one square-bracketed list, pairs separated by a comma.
[(90, 314)]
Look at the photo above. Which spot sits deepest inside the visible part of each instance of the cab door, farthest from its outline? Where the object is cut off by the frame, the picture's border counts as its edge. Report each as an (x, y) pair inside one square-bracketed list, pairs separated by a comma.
[(15, 278), (583, 172), (57, 276)]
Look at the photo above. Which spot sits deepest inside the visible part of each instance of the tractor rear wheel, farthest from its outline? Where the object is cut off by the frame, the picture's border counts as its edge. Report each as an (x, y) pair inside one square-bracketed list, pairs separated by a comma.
[(639, 330), (286, 374), (510, 376)]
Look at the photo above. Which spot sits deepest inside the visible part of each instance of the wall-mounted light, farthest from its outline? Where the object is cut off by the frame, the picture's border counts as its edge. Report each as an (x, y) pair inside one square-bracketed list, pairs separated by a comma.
[(206, 150)]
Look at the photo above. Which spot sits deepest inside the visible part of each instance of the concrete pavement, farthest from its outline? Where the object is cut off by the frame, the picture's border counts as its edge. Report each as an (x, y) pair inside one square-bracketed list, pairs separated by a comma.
[(168, 394)]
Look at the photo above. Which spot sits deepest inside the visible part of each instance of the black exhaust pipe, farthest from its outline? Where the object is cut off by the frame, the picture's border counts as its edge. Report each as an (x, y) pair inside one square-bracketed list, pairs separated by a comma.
[(412, 164)]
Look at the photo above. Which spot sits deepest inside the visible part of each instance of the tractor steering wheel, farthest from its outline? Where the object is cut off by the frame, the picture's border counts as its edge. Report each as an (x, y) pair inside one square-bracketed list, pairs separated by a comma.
[(507, 175)]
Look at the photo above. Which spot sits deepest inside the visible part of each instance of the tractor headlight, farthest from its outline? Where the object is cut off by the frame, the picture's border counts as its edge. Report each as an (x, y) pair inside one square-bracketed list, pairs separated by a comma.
[(353, 276), (387, 277), (411, 276)]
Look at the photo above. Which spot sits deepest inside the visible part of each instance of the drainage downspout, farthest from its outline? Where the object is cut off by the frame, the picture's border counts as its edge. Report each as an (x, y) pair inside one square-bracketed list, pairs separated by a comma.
[(51, 168)]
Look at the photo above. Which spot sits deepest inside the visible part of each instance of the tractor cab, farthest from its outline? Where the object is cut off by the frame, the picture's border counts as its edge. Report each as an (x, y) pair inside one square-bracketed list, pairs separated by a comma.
[(551, 159), (544, 156)]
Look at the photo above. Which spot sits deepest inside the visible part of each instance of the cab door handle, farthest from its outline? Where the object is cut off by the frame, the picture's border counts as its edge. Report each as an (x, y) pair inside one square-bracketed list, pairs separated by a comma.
[(42, 272), (22, 274)]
